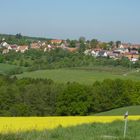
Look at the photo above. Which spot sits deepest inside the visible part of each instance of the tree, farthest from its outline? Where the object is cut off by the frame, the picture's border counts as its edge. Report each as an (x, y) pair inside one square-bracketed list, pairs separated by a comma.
[(111, 43), (73, 100), (18, 36), (72, 43), (82, 47), (104, 46), (139, 50), (94, 43), (82, 39), (118, 43)]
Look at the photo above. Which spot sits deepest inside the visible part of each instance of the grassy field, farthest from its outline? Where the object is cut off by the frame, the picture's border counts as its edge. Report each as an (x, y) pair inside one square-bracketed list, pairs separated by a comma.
[(133, 110), (82, 76), (6, 68), (92, 131)]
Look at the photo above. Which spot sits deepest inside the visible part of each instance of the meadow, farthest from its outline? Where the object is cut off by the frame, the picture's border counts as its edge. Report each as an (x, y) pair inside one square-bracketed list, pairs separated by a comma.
[(7, 68), (83, 76), (133, 110)]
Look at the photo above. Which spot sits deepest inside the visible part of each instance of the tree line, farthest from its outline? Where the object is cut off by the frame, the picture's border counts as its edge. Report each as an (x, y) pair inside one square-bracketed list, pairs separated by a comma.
[(43, 97)]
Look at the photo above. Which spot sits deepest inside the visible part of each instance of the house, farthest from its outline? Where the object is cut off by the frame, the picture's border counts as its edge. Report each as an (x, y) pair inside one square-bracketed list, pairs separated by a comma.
[(134, 60), (22, 49), (124, 45), (35, 46), (121, 50), (63, 46), (87, 52), (72, 49), (93, 53), (43, 43), (113, 55), (56, 41), (12, 47), (5, 51), (5, 44), (102, 53), (134, 51), (90, 52), (131, 56), (121, 46), (48, 48), (45, 49)]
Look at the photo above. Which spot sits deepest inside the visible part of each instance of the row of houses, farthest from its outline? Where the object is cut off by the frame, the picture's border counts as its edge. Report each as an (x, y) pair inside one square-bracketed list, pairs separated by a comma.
[(124, 50), (116, 53), (7, 48), (46, 46)]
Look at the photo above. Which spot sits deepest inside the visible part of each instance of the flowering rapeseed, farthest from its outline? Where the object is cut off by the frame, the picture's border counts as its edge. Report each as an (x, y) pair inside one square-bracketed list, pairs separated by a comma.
[(15, 124)]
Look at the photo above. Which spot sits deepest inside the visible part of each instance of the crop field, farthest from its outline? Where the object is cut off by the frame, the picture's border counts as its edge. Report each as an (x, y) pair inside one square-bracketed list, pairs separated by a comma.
[(71, 128), (15, 124), (81, 76)]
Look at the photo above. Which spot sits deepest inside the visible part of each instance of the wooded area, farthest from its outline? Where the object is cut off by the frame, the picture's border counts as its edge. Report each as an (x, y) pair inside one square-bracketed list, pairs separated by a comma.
[(38, 97)]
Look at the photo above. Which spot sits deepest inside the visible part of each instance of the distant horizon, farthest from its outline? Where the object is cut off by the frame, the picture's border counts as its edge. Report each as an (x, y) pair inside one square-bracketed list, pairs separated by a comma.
[(135, 43), (105, 20)]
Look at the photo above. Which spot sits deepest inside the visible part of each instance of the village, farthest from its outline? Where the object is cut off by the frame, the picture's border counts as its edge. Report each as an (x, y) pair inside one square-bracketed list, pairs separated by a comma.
[(130, 51)]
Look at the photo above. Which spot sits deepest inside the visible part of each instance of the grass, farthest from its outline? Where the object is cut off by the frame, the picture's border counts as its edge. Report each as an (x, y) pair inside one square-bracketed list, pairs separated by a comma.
[(93, 131), (133, 110), (6, 68), (83, 76)]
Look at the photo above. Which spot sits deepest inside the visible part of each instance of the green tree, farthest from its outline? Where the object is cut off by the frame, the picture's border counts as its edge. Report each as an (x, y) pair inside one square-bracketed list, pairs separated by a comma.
[(94, 43), (82, 39), (118, 43)]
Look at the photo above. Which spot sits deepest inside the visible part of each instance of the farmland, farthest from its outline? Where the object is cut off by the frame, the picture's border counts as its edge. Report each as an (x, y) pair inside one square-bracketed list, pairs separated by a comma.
[(80, 75), (72, 128)]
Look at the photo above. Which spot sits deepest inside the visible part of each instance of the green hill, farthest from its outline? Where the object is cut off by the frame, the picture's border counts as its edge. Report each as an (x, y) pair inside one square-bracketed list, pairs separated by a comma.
[(80, 76), (133, 110), (26, 37)]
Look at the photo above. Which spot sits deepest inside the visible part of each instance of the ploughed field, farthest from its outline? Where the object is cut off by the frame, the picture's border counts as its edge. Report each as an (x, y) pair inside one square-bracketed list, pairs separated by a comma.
[(83, 76), (68, 128)]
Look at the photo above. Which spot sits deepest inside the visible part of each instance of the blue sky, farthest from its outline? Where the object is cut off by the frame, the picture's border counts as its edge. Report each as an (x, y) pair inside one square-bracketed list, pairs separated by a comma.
[(102, 19)]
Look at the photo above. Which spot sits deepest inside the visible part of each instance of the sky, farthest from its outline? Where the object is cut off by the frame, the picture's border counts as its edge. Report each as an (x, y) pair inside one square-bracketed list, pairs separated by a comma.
[(104, 20)]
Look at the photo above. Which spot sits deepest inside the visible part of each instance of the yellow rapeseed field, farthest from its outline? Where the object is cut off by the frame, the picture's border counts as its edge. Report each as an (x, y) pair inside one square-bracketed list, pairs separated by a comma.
[(16, 124)]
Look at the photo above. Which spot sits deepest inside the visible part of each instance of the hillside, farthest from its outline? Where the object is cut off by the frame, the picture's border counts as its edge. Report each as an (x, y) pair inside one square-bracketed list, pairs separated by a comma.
[(80, 76), (133, 110), (26, 37)]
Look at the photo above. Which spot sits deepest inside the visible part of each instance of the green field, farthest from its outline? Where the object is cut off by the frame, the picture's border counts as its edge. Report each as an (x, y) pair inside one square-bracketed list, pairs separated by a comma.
[(94, 131), (7, 68), (133, 110), (80, 75)]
